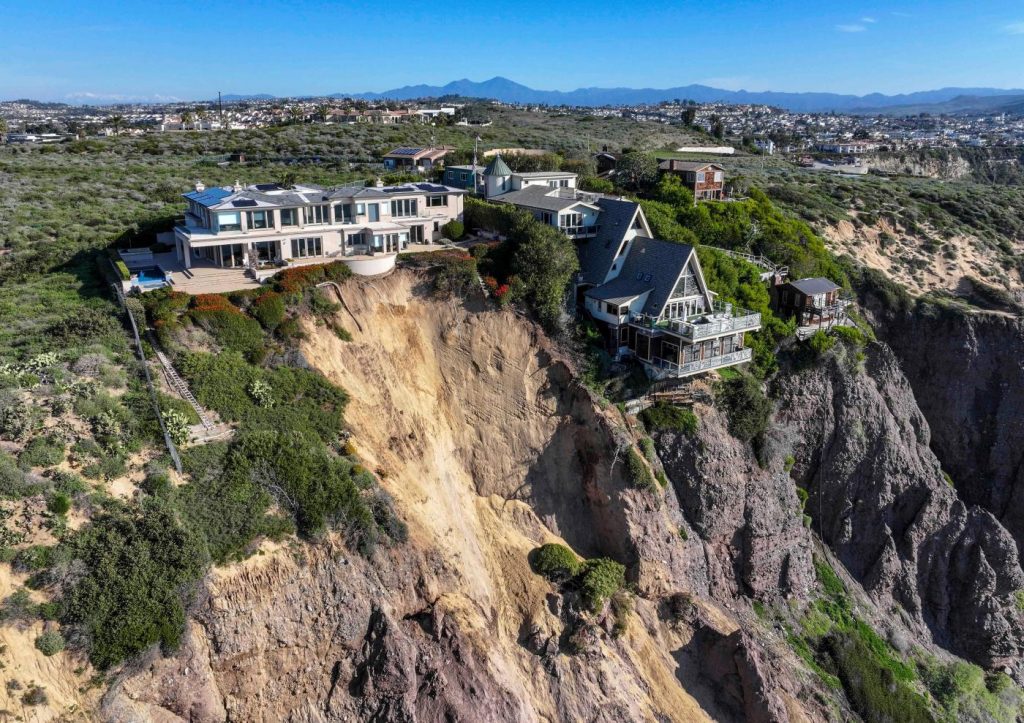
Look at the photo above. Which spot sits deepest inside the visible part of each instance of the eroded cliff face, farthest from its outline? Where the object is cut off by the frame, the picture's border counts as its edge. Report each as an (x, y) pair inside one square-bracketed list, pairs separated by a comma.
[(489, 448), (967, 373), (880, 500)]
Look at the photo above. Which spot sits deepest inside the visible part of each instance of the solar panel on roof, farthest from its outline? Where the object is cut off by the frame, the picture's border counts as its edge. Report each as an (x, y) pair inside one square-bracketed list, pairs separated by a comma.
[(244, 203)]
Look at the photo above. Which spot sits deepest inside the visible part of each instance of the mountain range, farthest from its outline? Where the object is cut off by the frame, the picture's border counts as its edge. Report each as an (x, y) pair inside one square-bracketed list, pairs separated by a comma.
[(508, 91), (942, 100)]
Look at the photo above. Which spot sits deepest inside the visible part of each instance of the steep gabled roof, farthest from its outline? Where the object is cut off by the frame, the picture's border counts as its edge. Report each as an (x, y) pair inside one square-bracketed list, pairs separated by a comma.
[(497, 167), (598, 254), (652, 266)]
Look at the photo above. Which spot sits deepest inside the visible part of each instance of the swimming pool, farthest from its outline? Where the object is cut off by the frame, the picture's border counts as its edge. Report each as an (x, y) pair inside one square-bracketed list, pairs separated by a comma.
[(151, 277)]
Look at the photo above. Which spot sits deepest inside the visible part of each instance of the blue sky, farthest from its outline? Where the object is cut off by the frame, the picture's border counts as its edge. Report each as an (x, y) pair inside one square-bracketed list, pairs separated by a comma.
[(59, 50)]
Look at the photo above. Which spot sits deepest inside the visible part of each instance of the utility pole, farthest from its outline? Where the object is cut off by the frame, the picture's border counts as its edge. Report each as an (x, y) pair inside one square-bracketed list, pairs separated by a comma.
[(220, 109)]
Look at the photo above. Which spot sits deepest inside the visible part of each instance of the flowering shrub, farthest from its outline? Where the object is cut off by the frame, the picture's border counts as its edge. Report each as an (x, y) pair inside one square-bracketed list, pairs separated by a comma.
[(491, 283), (262, 392), (208, 303), (177, 426), (300, 278)]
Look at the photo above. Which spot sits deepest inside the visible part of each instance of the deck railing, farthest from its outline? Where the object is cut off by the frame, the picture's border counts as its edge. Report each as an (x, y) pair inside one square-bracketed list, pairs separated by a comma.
[(703, 327), (700, 365), (579, 231)]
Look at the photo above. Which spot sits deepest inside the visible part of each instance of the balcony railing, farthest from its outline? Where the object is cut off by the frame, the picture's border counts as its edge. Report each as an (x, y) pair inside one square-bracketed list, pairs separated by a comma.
[(702, 365), (703, 327), (580, 231)]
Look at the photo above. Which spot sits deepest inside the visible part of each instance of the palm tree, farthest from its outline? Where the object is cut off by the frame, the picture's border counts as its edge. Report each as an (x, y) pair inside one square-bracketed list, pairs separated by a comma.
[(117, 123), (187, 120), (322, 112)]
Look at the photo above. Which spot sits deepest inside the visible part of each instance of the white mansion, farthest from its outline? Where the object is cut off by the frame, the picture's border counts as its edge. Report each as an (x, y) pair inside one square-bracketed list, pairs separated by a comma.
[(269, 225)]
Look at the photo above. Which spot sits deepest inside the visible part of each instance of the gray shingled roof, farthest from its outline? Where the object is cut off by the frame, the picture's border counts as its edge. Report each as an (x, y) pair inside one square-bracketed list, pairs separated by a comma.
[(651, 265), (817, 285), (598, 254), (542, 197)]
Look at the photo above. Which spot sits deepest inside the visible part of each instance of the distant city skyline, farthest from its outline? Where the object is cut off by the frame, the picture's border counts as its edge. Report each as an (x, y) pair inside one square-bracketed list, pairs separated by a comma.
[(107, 51)]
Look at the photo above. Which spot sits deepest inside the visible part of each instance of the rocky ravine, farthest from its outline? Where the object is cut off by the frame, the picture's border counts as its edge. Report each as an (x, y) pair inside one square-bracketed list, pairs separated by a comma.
[(967, 372), (489, 448), (879, 499)]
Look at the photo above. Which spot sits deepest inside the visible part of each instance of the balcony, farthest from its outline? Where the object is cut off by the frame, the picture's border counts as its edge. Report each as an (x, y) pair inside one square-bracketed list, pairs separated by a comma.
[(664, 368), (580, 231), (705, 326)]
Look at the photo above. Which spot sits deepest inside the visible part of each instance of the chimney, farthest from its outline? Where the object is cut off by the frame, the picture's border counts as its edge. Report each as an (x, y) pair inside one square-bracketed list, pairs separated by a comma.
[(200, 187), (237, 187), (380, 183)]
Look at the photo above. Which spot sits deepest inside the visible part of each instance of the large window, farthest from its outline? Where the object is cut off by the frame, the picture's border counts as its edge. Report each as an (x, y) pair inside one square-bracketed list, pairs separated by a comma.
[(700, 176), (343, 213), (313, 215), (289, 217), (306, 247), (571, 220), (373, 211), (434, 201), (229, 221), (259, 219), (404, 207)]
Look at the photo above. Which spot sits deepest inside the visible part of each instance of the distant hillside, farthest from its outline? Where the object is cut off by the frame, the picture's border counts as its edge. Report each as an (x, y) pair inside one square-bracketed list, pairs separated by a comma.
[(235, 98), (503, 89), (961, 104)]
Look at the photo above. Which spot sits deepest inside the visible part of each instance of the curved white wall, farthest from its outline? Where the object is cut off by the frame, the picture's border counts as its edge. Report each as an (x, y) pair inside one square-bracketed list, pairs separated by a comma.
[(371, 265)]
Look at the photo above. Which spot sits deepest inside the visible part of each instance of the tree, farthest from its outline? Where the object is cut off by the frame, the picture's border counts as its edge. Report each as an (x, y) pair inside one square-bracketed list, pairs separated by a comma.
[(689, 116), (117, 123), (545, 260), (3, 125), (187, 119), (636, 171), (322, 112)]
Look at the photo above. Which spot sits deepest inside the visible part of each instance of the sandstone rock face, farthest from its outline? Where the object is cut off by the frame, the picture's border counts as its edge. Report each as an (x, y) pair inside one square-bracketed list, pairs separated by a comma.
[(967, 373), (880, 501), (489, 447)]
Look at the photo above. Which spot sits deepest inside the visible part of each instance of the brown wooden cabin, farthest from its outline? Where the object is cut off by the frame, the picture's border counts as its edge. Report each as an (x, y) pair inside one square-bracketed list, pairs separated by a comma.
[(706, 180), (811, 301)]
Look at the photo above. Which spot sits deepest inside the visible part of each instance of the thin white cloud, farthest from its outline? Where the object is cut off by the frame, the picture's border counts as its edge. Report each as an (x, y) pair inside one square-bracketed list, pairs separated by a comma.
[(1014, 28), (869, 20), (851, 28)]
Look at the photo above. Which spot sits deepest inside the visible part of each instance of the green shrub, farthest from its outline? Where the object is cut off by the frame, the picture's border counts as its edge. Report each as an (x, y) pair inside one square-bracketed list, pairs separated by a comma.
[(637, 473), (122, 270), (820, 342), (50, 643), (453, 230), (647, 446), (59, 504), (663, 416), (139, 567), (851, 336), (599, 579), (15, 416), (456, 274), (746, 406), (555, 562), (268, 309)]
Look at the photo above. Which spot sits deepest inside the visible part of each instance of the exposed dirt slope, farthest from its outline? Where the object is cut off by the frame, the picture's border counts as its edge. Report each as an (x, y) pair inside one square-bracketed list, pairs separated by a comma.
[(489, 448)]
